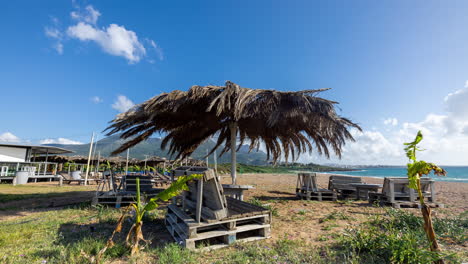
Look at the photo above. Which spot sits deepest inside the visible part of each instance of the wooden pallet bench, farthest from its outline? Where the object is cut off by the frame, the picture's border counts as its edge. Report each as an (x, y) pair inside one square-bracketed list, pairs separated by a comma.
[(320, 195), (245, 222), (204, 217), (125, 193), (307, 188), (120, 199), (396, 193), (343, 185)]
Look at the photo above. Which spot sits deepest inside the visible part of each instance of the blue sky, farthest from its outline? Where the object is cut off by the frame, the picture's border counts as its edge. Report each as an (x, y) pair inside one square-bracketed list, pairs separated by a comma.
[(393, 61)]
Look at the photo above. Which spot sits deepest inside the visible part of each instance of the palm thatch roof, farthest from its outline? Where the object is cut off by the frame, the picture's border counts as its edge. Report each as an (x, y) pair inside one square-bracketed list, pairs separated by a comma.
[(289, 123)]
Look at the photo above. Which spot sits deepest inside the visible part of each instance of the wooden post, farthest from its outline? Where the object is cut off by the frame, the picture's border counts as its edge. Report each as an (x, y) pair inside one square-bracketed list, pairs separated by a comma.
[(233, 128), (146, 158), (391, 185), (89, 159), (199, 200), (126, 163), (215, 164), (97, 165), (433, 192), (45, 164)]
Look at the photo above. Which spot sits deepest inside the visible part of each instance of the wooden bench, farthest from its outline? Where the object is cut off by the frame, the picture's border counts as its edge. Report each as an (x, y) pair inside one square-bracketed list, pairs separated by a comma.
[(395, 192), (125, 193), (204, 216), (343, 185), (236, 191), (307, 188)]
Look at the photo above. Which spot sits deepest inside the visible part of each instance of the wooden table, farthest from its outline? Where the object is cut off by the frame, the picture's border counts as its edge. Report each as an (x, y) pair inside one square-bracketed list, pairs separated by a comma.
[(365, 189), (236, 191)]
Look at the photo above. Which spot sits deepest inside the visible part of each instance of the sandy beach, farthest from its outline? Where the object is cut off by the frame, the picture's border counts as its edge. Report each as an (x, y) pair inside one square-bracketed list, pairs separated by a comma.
[(279, 191)]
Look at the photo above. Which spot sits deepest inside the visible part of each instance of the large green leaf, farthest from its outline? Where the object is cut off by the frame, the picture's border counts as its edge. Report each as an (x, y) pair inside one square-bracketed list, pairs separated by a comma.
[(418, 168), (175, 189)]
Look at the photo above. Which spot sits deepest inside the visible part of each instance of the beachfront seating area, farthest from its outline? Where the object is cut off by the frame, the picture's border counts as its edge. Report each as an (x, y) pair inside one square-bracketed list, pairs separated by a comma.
[(395, 191)]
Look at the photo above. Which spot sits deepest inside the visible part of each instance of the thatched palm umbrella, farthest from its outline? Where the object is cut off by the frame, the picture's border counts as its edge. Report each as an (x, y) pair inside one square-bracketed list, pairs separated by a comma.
[(288, 123)]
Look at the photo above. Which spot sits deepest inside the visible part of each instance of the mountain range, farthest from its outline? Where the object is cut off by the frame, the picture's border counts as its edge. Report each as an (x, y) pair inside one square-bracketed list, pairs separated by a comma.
[(152, 147)]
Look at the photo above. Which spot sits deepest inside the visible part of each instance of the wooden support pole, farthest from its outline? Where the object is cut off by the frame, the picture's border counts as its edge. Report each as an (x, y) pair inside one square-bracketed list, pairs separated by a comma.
[(199, 200), (126, 163), (233, 130), (89, 159)]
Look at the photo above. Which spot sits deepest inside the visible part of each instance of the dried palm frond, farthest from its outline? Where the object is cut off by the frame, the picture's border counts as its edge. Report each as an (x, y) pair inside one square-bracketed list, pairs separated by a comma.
[(288, 123)]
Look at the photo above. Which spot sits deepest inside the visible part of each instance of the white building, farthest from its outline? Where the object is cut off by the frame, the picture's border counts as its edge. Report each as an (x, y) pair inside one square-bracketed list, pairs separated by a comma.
[(26, 153)]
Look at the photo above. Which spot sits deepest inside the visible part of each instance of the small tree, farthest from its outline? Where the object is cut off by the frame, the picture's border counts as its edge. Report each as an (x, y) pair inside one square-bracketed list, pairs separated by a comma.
[(135, 235), (415, 170)]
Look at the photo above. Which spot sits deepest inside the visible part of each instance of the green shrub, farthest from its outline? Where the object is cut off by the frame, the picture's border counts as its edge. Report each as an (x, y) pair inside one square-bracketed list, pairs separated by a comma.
[(398, 238)]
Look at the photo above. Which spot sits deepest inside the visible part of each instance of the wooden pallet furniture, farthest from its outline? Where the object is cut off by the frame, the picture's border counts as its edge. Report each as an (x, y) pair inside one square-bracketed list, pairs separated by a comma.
[(307, 188), (125, 193), (395, 192), (66, 178), (363, 190), (343, 185), (203, 217), (236, 191)]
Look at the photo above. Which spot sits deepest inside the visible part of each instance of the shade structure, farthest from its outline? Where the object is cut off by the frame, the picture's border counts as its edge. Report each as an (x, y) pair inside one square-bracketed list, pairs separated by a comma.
[(287, 123)]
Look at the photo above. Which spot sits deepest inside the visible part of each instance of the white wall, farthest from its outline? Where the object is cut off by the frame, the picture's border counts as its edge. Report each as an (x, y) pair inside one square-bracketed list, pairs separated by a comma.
[(12, 154)]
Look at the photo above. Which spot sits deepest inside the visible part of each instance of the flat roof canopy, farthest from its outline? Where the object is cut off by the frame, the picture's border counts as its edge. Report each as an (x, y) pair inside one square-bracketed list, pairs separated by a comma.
[(39, 149)]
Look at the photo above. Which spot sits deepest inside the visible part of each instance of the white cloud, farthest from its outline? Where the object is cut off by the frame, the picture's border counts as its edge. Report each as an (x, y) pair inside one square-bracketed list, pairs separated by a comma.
[(158, 50), (8, 137), (59, 48), (96, 99), (457, 103), (122, 104), (88, 15), (445, 139), (115, 40), (64, 141), (391, 121), (54, 33)]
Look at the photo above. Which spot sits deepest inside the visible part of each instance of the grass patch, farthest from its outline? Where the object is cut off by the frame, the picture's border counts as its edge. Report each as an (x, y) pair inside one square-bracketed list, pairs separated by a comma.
[(399, 238), (10, 193), (257, 202), (335, 215)]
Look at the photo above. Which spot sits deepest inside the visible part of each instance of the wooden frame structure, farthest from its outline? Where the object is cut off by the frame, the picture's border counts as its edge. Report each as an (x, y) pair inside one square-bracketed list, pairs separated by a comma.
[(125, 193), (307, 188), (204, 216), (342, 185), (395, 192)]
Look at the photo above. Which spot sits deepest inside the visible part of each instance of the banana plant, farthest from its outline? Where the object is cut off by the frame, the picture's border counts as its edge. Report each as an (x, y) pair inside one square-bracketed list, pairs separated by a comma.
[(135, 234), (416, 169)]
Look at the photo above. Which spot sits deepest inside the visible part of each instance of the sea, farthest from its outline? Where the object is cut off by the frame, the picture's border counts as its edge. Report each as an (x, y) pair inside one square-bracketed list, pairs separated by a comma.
[(454, 173)]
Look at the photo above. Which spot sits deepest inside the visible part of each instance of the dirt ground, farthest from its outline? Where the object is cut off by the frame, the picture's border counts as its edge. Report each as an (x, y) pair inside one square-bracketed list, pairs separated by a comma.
[(294, 219), (300, 219)]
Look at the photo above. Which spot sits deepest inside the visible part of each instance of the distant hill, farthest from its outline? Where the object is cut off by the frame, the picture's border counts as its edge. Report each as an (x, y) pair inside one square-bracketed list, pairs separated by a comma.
[(152, 147)]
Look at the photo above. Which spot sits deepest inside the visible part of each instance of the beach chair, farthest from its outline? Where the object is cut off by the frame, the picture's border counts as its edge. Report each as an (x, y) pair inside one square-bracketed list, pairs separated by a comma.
[(307, 188), (66, 178), (343, 185), (395, 192), (205, 217)]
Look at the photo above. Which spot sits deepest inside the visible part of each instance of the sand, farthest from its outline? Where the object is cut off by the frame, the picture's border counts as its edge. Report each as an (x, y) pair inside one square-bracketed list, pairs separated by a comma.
[(298, 219), (295, 219)]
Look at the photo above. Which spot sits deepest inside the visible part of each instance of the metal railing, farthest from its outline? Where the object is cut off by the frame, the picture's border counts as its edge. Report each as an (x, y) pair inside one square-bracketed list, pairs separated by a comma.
[(8, 169)]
